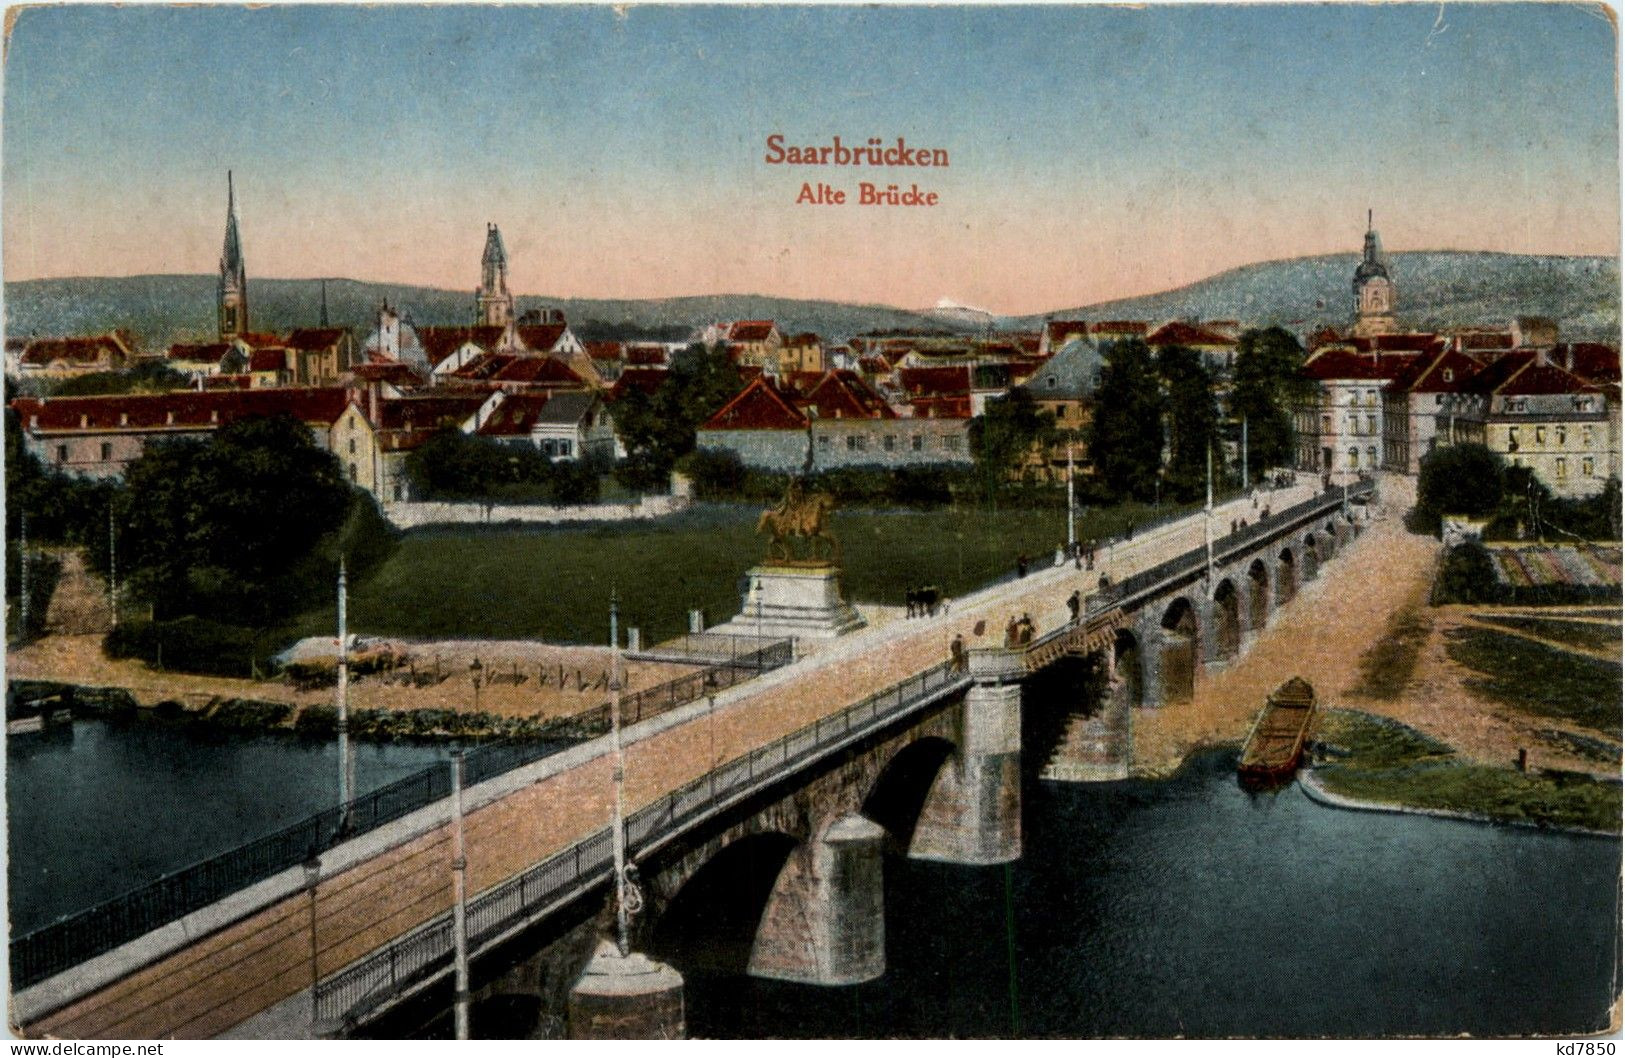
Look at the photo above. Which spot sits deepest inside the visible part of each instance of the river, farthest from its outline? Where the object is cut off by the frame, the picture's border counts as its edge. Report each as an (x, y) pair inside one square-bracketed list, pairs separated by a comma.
[(1179, 908), (1191, 908), (108, 807)]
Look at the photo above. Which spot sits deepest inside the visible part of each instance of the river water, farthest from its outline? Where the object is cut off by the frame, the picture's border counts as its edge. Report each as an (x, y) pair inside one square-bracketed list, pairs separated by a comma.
[(94, 813), (1179, 908), (1192, 908)]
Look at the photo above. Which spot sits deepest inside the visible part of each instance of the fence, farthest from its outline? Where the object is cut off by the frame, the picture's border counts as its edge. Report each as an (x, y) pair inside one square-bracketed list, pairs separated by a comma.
[(70, 941), (420, 956)]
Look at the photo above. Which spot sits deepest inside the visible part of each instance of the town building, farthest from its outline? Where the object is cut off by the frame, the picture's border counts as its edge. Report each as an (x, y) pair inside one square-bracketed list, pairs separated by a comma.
[(838, 421), (493, 302), (564, 426), (56, 358)]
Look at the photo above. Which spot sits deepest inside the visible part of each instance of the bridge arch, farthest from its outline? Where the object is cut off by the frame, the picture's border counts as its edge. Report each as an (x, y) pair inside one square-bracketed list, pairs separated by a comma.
[(1226, 620), (710, 923), (1258, 595), (1130, 690), (1286, 577), (899, 793), (1181, 637)]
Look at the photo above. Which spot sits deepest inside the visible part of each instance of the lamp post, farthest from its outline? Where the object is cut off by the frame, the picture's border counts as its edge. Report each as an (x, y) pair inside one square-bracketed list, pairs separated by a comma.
[(313, 875), (112, 566), (1207, 518), (475, 671), (1071, 506), (459, 890), (623, 940), (346, 761)]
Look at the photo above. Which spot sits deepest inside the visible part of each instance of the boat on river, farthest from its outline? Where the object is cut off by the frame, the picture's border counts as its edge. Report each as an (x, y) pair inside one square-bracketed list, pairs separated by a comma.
[(1275, 745)]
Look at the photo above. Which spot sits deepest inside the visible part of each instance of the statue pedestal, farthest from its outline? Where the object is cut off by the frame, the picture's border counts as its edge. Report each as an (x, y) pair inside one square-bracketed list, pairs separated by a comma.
[(793, 599)]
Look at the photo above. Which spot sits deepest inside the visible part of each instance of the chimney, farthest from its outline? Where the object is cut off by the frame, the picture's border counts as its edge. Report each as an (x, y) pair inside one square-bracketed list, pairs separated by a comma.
[(372, 401), (1568, 357)]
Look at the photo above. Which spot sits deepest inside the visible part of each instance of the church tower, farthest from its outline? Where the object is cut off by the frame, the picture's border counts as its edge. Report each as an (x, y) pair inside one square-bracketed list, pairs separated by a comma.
[(233, 296), (493, 302), (1373, 289)]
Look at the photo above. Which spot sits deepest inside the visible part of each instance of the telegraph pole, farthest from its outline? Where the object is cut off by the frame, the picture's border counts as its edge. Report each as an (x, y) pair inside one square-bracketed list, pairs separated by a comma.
[(1071, 506), (1207, 519), (1246, 480), (112, 565), (22, 574), (459, 891), (623, 939), (346, 764)]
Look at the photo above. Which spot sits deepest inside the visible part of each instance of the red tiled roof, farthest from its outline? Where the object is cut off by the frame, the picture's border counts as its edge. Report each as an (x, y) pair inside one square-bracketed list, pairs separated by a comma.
[(1497, 371), (1484, 339), (613, 351), (312, 339), (645, 379), (428, 413), (1543, 379), (1589, 360), (646, 354), (1179, 333), (539, 371), (266, 359), (40, 351), (259, 339), (485, 366), (1028, 344), (541, 337), (189, 408), (440, 342), (1335, 362), (757, 407), (935, 381), (843, 395), (750, 331), (516, 415), (386, 371), (941, 407), (1058, 330), (1426, 374), (874, 365), (1132, 327)]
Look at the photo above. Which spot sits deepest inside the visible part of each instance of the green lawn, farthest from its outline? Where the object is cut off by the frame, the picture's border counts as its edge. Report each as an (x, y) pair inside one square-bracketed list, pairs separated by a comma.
[(554, 583), (1540, 679), (1586, 634), (1389, 763)]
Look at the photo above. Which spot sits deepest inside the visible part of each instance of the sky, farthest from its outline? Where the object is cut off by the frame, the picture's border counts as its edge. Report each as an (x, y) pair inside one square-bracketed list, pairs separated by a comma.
[(1094, 152)]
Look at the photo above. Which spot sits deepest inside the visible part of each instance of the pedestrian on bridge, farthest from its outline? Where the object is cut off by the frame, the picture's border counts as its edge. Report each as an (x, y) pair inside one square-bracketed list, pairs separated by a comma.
[(956, 653), (1074, 603), (1021, 565)]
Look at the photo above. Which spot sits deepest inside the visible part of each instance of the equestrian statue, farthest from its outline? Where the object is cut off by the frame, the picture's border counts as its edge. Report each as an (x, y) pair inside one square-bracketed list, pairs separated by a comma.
[(800, 514)]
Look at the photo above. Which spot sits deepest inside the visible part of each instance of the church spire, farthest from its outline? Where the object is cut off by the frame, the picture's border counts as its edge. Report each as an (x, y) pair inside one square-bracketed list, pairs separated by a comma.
[(233, 292), (493, 302)]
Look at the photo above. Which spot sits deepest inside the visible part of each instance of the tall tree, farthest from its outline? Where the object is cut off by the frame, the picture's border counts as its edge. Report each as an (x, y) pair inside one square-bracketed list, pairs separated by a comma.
[(1193, 420), (1003, 435), (1266, 385), (1125, 436), (658, 430)]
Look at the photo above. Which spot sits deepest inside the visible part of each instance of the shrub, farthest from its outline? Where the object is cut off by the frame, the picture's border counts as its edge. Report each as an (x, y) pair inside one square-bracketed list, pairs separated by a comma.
[(1468, 575), (192, 644)]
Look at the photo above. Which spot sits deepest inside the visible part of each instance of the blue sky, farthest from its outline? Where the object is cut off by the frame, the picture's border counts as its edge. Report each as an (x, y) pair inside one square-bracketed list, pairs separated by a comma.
[(1096, 152)]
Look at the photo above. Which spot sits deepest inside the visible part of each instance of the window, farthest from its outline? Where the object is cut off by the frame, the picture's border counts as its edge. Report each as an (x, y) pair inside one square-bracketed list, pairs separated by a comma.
[(1582, 404), (1438, 400), (1354, 459), (1588, 467), (61, 453), (565, 449), (1562, 467), (352, 473), (917, 443), (1449, 375), (352, 446), (1371, 457), (1371, 398), (1371, 424), (398, 491), (823, 442), (1512, 438), (951, 443), (1562, 436), (1325, 424), (1540, 435), (107, 452), (1060, 412), (890, 442), (1585, 437), (852, 442)]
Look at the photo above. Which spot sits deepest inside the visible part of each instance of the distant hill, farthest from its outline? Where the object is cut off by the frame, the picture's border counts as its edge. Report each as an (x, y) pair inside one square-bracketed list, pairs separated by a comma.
[(164, 309), (1436, 288)]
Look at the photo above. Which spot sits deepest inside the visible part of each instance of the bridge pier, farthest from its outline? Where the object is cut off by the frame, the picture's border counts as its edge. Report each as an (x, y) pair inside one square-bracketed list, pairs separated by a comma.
[(973, 813), (626, 997), (825, 923)]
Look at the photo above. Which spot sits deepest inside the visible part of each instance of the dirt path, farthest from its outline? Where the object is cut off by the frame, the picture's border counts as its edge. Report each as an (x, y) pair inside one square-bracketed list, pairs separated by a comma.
[(1601, 654), (79, 605), (1320, 635), (78, 659)]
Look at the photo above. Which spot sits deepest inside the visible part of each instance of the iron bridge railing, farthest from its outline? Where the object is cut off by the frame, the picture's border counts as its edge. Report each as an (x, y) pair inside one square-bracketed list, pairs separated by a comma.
[(415, 959), (94, 931)]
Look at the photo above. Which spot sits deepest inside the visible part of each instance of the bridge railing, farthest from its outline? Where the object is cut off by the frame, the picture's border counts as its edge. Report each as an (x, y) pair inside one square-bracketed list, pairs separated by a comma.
[(69, 941), (1193, 560), (426, 952)]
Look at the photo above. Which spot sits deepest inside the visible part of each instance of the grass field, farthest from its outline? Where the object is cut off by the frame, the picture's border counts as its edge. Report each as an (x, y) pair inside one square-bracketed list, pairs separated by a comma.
[(1586, 634), (1540, 679), (1390, 763), (554, 583)]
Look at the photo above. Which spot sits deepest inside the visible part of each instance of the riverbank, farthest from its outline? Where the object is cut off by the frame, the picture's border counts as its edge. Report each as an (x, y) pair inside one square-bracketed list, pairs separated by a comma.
[(1374, 763)]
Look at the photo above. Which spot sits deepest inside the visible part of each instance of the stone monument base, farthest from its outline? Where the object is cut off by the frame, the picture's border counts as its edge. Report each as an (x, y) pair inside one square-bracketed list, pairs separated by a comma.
[(790, 599)]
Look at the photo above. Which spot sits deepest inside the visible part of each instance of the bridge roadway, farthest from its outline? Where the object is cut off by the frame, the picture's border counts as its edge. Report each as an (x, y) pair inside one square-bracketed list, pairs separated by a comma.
[(245, 966)]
